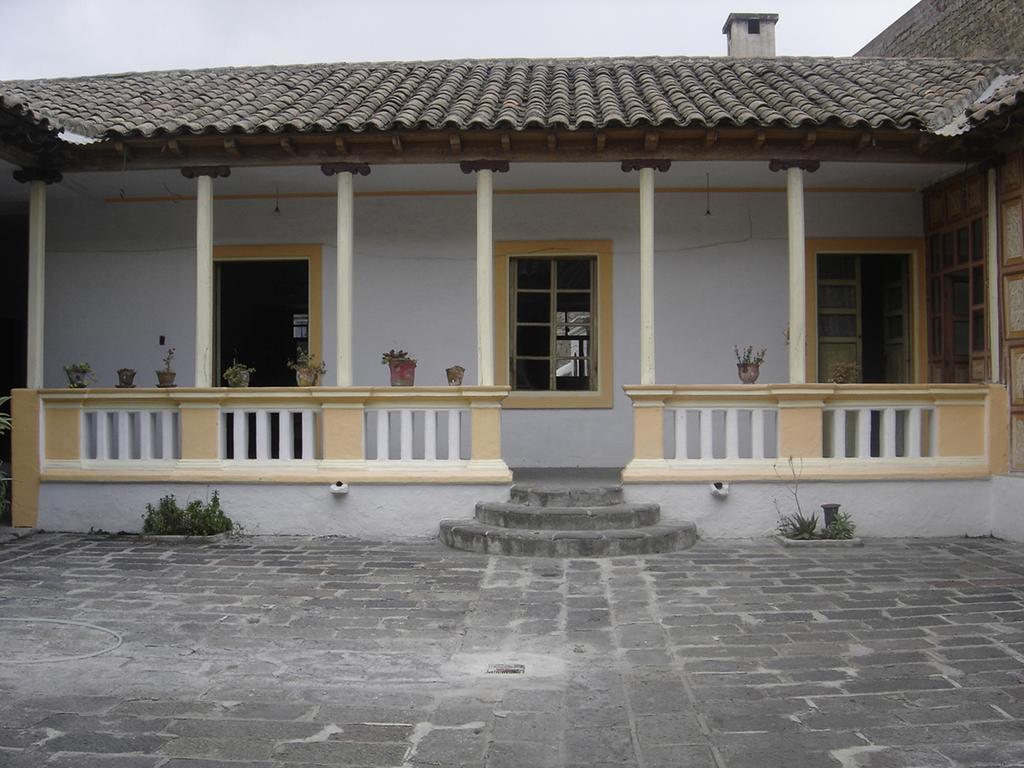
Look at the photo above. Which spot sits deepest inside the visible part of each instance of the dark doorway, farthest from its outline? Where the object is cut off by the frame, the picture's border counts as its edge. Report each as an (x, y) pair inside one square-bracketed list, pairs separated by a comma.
[(262, 316), (863, 318), (13, 312)]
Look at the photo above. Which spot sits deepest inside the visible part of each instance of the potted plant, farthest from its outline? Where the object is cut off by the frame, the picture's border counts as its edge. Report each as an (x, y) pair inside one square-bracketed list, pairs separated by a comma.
[(748, 363), (307, 369), (165, 376), (79, 375), (455, 374), (402, 367), (237, 374), (125, 378)]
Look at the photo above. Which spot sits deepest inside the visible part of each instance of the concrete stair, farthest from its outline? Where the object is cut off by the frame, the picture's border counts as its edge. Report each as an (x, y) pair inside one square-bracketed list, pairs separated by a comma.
[(546, 521)]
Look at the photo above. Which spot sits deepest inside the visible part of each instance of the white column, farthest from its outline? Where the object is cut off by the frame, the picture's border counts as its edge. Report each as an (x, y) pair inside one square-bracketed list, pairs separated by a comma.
[(992, 269), (484, 277), (647, 276), (36, 282), (204, 281), (797, 277), (343, 301)]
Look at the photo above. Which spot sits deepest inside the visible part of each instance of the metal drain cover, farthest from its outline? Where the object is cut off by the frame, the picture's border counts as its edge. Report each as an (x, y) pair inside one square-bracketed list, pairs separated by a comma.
[(506, 669)]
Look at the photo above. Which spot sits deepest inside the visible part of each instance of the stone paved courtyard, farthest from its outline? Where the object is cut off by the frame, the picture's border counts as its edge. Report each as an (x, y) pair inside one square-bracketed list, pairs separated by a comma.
[(265, 652)]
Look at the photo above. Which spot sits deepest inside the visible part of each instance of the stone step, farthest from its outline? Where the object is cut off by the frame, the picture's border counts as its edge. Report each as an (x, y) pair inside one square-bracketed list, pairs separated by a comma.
[(565, 496), (577, 518), (474, 536)]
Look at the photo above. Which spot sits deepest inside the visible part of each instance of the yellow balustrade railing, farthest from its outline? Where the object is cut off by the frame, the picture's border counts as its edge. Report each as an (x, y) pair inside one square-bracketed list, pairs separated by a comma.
[(254, 435), (834, 431)]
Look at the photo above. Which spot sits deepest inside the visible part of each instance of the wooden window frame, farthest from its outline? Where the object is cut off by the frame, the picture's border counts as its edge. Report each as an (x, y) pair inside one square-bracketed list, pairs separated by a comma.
[(601, 251)]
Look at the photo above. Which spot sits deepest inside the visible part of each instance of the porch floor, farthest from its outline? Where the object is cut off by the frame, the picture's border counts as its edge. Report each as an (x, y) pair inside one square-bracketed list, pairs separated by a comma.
[(280, 651)]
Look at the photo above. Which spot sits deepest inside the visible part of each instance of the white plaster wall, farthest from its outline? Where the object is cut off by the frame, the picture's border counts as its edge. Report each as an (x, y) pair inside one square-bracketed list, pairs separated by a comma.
[(1008, 507), (884, 509), (368, 511), (119, 275)]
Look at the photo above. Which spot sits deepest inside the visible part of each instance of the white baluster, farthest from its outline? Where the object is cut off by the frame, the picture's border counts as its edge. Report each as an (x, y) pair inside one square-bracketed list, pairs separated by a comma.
[(262, 434), (839, 433), (863, 433), (146, 435), (124, 435), (240, 435), (888, 428), (914, 433), (405, 434), (757, 433), (167, 435), (706, 435), (681, 452), (732, 433), (308, 436), (383, 436), (454, 435), (102, 436), (285, 436), (430, 435)]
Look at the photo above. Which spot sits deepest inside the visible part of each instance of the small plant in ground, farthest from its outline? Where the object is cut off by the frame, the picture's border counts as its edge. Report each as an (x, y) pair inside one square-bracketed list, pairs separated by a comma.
[(842, 527), (796, 526), (196, 519)]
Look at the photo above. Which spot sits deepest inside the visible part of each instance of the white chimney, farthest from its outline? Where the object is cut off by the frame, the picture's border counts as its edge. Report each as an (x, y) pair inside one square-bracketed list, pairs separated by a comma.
[(751, 35)]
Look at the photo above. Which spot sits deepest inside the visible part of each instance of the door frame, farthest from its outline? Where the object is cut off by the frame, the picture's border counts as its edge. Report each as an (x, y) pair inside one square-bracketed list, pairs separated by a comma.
[(311, 253), (911, 247)]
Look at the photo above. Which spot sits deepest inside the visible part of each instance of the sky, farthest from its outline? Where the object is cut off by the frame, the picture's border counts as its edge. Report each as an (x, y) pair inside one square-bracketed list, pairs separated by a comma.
[(65, 38)]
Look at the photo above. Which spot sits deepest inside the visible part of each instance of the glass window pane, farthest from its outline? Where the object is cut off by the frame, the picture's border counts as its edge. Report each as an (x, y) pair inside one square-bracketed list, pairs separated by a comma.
[(977, 286), (962, 248), (894, 328), (533, 340), (894, 298), (572, 347), (933, 254), (960, 296), (533, 273), (960, 345), (947, 250), (533, 307), (832, 267), (573, 273), (533, 374), (837, 296), (935, 296), (935, 337), (977, 240), (837, 325), (572, 302), (978, 332)]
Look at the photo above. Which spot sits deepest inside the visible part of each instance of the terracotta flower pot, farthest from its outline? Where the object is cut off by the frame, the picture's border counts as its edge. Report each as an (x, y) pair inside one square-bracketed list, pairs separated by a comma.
[(306, 377), (403, 372), (165, 378), (125, 378), (748, 372), (454, 375)]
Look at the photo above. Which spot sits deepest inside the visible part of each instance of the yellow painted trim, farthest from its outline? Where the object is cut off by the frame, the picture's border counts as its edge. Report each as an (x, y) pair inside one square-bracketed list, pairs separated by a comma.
[(521, 191), (63, 433), (649, 432), (769, 470), (914, 249), (25, 458), (312, 253), (961, 429), (200, 430), (800, 431), (998, 433), (602, 249), (485, 424), (343, 431)]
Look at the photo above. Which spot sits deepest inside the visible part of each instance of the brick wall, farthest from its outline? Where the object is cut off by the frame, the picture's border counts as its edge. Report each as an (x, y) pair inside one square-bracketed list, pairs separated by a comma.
[(970, 29)]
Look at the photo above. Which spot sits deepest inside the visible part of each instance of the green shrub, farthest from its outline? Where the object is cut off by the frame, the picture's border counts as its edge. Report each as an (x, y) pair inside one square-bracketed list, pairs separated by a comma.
[(797, 526), (196, 519), (842, 527)]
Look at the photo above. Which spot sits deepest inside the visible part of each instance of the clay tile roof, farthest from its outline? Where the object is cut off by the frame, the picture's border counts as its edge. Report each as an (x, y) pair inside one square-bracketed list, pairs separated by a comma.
[(513, 94), (1008, 93)]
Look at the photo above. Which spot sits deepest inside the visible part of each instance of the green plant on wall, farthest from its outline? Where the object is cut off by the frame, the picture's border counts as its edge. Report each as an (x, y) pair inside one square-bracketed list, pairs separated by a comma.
[(196, 519)]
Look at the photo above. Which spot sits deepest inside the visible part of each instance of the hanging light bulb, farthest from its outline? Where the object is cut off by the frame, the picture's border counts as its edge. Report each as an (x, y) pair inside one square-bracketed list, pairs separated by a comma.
[(277, 198), (707, 195)]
